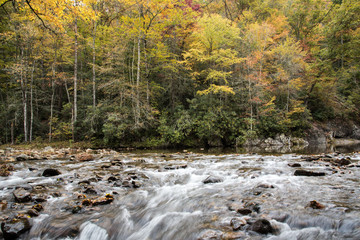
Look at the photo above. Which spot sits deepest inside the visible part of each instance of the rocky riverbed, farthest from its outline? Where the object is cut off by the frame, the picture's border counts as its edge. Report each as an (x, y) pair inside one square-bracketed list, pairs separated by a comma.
[(104, 194)]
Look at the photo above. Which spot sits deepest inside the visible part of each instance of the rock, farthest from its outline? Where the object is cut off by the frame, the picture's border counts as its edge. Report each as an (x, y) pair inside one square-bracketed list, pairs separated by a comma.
[(234, 235), (49, 149), (33, 213), (103, 200), (315, 205), (342, 162), (76, 209), (244, 211), (32, 169), (86, 202), (262, 226), (265, 185), (210, 235), (40, 198), (56, 194), (254, 206), (5, 170), (50, 172), (212, 179), (84, 157), (308, 173), (38, 207), (13, 228), (22, 157), (3, 205), (112, 179), (21, 195), (311, 158), (90, 190), (294, 165), (237, 223)]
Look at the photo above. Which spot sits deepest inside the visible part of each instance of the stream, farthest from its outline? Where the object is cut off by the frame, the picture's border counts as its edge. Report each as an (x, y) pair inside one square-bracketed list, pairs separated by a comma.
[(185, 195)]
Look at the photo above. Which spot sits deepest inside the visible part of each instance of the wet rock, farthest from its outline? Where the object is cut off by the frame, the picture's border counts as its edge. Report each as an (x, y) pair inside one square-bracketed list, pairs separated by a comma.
[(254, 206), (342, 162), (13, 228), (21, 195), (112, 179), (294, 165), (56, 194), (86, 202), (32, 169), (76, 209), (212, 179), (315, 205), (33, 213), (6, 169), (84, 182), (22, 157), (174, 167), (308, 173), (40, 198), (105, 166), (310, 158), (84, 157), (38, 207), (103, 200), (131, 184), (3, 205), (210, 235), (237, 223), (265, 185), (244, 211), (50, 172), (90, 190), (262, 226)]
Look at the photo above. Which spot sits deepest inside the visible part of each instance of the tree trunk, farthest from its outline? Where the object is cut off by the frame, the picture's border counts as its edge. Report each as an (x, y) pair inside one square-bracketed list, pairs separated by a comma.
[(24, 94), (31, 102), (93, 67), (138, 72), (52, 94), (75, 79)]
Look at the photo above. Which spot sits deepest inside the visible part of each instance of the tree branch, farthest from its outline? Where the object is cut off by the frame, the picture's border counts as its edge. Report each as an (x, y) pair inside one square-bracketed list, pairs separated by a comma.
[(5, 3), (37, 15)]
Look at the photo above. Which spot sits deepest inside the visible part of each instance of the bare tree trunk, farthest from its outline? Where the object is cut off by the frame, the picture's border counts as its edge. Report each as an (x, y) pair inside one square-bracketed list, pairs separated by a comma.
[(93, 67), (31, 102), (24, 94), (75, 79), (133, 94), (250, 96), (52, 94), (12, 132), (138, 72)]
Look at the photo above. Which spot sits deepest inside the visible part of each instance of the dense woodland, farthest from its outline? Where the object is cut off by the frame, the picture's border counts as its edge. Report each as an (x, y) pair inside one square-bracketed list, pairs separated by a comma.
[(175, 72)]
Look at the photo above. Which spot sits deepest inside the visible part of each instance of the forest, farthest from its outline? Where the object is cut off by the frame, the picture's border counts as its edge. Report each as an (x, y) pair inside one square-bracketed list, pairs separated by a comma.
[(175, 72)]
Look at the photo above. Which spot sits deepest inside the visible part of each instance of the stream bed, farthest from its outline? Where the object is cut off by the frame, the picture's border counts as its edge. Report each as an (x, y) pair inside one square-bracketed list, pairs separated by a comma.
[(145, 196)]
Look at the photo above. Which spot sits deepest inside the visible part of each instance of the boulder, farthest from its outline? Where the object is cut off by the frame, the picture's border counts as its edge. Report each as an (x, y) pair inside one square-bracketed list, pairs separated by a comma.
[(50, 172), (38, 207), (90, 190), (84, 157), (22, 157), (33, 213), (13, 228), (212, 179), (262, 226), (21, 195), (308, 173), (103, 200)]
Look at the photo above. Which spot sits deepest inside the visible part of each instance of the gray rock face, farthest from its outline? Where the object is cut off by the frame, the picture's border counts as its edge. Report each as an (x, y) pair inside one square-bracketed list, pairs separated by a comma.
[(21, 195), (262, 226), (212, 179), (14, 228)]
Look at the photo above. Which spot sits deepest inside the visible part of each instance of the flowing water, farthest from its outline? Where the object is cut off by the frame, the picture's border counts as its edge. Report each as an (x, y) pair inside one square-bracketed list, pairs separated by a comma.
[(168, 198)]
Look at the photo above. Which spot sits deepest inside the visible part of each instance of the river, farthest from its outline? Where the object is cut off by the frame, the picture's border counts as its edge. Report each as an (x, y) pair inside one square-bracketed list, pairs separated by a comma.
[(187, 195)]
